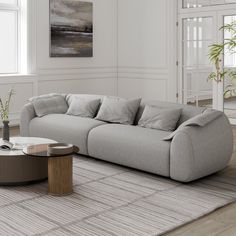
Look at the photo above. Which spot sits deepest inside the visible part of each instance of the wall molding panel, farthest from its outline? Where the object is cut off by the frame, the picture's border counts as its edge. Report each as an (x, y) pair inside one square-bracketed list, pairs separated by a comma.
[(143, 76), (147, 49), (78, 71), (144, 70)]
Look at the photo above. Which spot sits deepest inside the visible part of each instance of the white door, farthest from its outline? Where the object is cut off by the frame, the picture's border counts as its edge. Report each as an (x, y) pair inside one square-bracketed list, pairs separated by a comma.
[(196, 37), (199, 23)]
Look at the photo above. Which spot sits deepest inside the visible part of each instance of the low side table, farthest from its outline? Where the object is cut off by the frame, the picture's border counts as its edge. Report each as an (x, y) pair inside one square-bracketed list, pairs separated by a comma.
[(60, 169)]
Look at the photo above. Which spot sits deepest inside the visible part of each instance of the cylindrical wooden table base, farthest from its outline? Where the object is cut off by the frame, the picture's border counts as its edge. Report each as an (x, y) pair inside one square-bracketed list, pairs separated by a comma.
[(60, 175)]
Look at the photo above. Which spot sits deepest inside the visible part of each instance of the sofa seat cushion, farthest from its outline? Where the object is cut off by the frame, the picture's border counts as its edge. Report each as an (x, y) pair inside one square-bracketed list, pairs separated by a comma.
[(131, 146), (64, 128)]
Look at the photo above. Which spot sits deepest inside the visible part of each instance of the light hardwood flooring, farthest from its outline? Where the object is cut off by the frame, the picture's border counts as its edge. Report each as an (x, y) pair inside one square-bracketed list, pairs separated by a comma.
[(221, 222)]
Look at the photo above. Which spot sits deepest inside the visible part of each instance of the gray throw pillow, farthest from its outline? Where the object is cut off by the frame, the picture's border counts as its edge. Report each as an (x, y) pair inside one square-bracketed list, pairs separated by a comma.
[(49, 95), (200, 120), (50, 105), (203, 119), (83, 107), (160, 118), (118, 110)]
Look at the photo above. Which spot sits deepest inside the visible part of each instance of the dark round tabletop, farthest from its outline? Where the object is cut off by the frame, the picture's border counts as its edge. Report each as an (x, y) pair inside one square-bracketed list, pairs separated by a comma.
[(41, 150)]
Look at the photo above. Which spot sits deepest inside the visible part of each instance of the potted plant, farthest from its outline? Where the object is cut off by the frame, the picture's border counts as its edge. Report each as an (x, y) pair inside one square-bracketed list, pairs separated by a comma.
[(216, 54), (4, 111)]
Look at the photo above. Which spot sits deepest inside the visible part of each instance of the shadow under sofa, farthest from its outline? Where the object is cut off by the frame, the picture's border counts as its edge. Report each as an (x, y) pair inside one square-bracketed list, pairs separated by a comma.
[(193, 153)]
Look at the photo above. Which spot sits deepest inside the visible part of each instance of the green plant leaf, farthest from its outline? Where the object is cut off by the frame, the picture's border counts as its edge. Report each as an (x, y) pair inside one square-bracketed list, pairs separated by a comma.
[(211, 76), (4, 107)]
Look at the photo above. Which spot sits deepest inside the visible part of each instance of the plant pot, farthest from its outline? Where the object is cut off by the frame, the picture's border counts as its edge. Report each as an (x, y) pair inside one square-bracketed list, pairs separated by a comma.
[(6, 131)]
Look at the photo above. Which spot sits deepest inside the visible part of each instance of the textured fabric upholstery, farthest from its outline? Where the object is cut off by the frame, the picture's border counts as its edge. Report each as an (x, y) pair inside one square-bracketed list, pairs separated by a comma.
[(45, 96), (84, 107), (50, 105), (199, 151), (201, 120), (205, 118), (154, 117), (64, 128), (131, 146), (187, 111), (70, 97), (26, 115), (194, 152), (118, 110)]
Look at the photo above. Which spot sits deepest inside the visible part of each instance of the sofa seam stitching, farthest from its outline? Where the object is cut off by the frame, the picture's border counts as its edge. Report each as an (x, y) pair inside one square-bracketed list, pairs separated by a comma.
[(89, 133)]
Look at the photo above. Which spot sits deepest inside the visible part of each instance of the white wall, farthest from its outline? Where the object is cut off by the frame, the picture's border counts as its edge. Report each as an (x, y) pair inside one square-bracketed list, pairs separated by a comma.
[(24, 87), (79, 75), (147, 49), (97, 75), (134, 54)]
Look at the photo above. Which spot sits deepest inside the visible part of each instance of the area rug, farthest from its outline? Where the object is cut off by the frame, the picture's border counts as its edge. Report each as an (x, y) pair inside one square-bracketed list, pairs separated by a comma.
[(111, 200)]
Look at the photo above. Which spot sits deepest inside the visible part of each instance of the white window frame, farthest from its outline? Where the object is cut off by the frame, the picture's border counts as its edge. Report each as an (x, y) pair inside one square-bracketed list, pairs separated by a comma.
[(214, 8), (21, 34), (207, 6)]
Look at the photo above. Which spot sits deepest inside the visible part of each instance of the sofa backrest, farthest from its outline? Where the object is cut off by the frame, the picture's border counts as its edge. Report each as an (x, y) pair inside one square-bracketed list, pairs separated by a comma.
[(187, 112)]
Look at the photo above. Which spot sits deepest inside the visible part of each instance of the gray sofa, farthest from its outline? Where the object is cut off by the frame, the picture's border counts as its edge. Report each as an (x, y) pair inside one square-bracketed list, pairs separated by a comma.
[(194, 152)]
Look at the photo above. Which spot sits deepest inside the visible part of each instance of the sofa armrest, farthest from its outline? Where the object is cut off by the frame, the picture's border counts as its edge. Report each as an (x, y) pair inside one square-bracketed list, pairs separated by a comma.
[(27, 114), (200, 151)]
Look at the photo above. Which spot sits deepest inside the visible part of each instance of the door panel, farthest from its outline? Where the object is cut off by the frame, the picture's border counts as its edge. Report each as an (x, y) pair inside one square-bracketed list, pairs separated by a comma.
[(197, 36), (229, 63)]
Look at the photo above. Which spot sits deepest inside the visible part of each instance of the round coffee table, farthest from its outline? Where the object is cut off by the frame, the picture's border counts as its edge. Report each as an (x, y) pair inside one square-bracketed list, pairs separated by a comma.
[(16, 168), (60, 168)]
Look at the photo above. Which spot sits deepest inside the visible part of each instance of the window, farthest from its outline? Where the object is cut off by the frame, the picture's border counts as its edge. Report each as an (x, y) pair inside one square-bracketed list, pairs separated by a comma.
[(197, 36), (204, 3), (230, 58), (10, 40), (229, 62)]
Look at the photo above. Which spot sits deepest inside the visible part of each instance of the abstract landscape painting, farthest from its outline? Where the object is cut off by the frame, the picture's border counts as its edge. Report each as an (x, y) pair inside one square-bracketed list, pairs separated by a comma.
[(71, 28)]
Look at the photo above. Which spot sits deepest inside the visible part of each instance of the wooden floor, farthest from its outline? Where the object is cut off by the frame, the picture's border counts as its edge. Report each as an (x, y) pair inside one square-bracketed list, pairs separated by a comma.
[(221, 222)]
